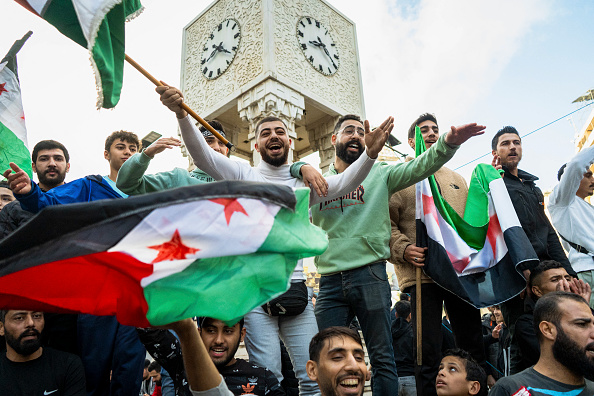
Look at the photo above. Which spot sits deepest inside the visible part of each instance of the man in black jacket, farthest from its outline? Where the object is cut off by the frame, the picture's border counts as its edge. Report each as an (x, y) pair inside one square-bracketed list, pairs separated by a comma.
[(528, 201)]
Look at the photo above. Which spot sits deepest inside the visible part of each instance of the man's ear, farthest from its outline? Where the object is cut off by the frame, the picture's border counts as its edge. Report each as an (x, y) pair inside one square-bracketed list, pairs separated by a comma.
[(548, 330), (312, 370), (333, 139), (33, 167), (368, 375), (242, 334), (474, 388), (106, 154), (68, 167), (537, 292), (256, 147), (411, 142), (494, 152), (1, 329)]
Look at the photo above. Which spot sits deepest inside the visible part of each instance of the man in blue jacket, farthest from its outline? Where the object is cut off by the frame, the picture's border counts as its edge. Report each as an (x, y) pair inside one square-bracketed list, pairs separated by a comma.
[(104, 345)]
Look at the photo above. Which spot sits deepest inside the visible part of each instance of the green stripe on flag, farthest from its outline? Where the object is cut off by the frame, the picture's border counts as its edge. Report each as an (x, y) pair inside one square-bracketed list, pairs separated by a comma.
[(473, 227), (12, 149)]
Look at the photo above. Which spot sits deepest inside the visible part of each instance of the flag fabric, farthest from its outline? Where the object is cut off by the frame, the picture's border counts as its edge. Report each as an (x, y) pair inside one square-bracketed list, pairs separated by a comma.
[(475, 257), (218, 250), (13, 133), (98, 26)]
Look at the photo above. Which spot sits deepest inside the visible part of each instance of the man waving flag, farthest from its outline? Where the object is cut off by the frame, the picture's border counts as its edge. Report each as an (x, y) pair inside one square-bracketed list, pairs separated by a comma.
[(482, 249), (98, 26)]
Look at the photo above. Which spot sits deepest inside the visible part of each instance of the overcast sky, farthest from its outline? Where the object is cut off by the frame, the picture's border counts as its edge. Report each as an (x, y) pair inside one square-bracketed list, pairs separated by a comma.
[(517, 63)]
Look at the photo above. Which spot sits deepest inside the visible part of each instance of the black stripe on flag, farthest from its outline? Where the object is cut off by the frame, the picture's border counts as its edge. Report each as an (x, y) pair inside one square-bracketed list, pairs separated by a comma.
[(483, 289)]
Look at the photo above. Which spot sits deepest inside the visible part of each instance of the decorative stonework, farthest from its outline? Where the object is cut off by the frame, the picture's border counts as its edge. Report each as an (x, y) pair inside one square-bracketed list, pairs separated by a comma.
[(271, 98), (203, 94), (344, 87), (271, 76)]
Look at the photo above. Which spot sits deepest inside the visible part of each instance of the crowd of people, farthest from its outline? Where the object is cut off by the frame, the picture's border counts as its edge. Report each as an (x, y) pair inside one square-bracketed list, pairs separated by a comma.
[(537, 343)]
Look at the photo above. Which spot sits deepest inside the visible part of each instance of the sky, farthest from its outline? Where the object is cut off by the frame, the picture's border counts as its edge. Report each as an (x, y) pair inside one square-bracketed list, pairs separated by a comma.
[(495, 63)]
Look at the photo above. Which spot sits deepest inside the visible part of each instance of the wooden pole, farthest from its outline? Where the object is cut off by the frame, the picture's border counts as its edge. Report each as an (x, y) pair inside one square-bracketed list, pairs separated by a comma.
[(183, 105), (419, 317)]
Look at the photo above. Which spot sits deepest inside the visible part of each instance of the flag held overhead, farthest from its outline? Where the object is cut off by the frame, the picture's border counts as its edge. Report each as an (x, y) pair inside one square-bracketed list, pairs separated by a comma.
[(98, 26)]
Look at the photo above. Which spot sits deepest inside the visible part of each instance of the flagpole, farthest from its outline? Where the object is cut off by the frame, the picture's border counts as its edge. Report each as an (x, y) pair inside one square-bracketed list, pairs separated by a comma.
[(419, 317), (183, 105)]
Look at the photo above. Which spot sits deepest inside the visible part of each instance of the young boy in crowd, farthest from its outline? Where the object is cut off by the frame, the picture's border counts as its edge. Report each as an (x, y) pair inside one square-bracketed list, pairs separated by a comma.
[(460, 375)]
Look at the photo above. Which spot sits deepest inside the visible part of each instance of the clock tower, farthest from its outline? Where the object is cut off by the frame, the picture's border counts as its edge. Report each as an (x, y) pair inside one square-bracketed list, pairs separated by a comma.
[(243, 61)]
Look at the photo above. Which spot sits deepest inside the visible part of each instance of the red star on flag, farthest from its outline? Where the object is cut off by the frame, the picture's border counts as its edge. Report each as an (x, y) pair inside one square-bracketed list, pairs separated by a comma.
[(429, 207), (2, 89), (231, 206), (493, 232), (172, 250)]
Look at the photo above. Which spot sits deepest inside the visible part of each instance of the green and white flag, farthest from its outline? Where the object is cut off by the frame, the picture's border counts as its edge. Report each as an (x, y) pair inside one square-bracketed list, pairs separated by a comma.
[(98, 26), (13, 133)]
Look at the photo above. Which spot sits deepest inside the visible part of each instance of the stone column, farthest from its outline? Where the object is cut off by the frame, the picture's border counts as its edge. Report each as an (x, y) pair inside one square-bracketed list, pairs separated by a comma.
[(270, 98), (320, 136)]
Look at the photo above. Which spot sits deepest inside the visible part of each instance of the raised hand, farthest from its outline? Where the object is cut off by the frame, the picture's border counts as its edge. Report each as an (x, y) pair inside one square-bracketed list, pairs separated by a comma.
[(580, 288), (375, 140), (172, 98), (496, 162), (314, 180), (19, 181), (458, 135), (160, 145)]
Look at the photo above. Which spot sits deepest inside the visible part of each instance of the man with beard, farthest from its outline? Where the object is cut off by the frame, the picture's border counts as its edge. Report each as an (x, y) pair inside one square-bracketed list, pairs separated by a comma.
[(353, 268), (27, 368), (406, 256), (565, 327), (51, 162), (528, 201), (273, 143), (573, 217), (547, 277), (221, 342), (337, 362)]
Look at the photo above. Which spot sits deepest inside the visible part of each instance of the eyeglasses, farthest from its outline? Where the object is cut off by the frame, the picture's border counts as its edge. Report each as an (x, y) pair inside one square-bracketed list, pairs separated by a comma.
[(350, 131)]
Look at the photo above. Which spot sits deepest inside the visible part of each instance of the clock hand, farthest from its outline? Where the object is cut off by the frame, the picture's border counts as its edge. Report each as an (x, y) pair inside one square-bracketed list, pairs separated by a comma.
[(211, 55), (315, 43), (321, 42)]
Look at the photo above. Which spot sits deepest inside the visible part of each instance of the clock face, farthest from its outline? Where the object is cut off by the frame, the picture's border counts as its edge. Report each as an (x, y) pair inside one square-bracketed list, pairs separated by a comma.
[(317, 45), (220, 48)]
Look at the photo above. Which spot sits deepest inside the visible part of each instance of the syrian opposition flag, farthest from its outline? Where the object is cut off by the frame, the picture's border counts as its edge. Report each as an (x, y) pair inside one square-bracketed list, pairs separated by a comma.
[(98, 26), (13, 134), (474, 257), (216, 250)]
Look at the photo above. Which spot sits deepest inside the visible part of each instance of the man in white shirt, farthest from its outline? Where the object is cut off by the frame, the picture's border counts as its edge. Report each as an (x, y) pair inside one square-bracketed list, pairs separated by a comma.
[(573, 216)]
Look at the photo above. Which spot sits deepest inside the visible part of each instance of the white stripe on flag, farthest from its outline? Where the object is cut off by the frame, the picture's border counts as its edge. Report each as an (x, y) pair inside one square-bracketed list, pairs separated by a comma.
[(11, 106), (201, 225)]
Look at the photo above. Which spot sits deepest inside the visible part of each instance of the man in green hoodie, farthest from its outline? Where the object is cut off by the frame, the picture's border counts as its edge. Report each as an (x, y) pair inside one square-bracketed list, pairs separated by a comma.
[(354, 279)]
